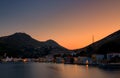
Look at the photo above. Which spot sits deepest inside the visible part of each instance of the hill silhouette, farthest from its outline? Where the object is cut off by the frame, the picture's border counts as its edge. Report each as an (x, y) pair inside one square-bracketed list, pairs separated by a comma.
[(109, 44), (23, 45)]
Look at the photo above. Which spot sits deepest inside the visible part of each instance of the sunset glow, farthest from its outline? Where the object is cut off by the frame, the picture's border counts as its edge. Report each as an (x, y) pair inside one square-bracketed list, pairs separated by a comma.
[(71, 23)]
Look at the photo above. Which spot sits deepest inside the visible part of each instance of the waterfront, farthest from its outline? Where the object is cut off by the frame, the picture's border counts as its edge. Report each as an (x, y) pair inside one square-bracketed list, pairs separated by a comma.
[(47, 70)]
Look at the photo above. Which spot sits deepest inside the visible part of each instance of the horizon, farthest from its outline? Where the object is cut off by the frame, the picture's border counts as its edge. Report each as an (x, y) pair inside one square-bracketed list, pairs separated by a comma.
[(92, 39), (70, 23)]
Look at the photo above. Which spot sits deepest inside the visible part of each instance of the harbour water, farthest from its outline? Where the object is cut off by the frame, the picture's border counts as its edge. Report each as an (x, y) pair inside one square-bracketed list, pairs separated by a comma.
[(47, 70)]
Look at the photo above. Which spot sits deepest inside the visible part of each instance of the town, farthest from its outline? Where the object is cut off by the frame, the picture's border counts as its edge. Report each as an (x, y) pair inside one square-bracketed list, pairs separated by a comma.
[(72, 58)]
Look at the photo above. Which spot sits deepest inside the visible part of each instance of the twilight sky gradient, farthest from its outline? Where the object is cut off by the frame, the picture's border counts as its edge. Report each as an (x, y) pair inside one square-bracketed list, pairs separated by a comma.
[(69, 22)]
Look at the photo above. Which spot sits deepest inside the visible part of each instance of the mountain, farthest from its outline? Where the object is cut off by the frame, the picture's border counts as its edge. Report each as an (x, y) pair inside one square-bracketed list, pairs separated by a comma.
[(23, 45), (109, 44)]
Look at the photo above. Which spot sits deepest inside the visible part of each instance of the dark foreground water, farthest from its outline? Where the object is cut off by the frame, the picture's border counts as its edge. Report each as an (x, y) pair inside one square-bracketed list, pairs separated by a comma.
[(42, 70)]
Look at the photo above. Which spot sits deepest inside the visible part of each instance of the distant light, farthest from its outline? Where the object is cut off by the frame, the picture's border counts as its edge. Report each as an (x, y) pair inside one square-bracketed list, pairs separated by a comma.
[(24, 60)]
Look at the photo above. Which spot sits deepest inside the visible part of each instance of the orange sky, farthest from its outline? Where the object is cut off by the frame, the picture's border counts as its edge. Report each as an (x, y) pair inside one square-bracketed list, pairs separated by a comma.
[(74, 29), (71, 24)]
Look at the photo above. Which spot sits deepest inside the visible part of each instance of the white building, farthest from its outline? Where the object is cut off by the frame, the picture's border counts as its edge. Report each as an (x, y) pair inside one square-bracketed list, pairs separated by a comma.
[(7, 59), (111, 55)]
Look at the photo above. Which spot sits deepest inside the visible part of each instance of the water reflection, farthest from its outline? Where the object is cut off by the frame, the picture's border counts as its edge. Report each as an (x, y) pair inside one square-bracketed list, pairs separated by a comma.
[(41, 70), (14, 71), (45, 71), (86, 67)]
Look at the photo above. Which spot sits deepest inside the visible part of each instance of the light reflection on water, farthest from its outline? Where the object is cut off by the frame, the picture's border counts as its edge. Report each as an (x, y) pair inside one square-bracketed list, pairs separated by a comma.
[(42, 70)]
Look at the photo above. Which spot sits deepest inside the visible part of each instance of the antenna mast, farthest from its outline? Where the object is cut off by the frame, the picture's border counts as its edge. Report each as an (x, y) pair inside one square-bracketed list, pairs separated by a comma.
[(93, 40)]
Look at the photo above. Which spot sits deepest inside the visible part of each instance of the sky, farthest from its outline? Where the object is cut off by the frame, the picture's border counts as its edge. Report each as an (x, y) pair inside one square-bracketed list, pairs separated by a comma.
[(71, 23)]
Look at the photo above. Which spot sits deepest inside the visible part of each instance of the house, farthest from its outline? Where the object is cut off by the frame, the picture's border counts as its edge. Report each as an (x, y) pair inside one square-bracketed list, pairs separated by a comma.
[(7, 59), (59, 60), (84, 60), (113, 54), (17, 59), (49, 59), (67, 60), (75, 60), (73, 53), (98, 58)]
